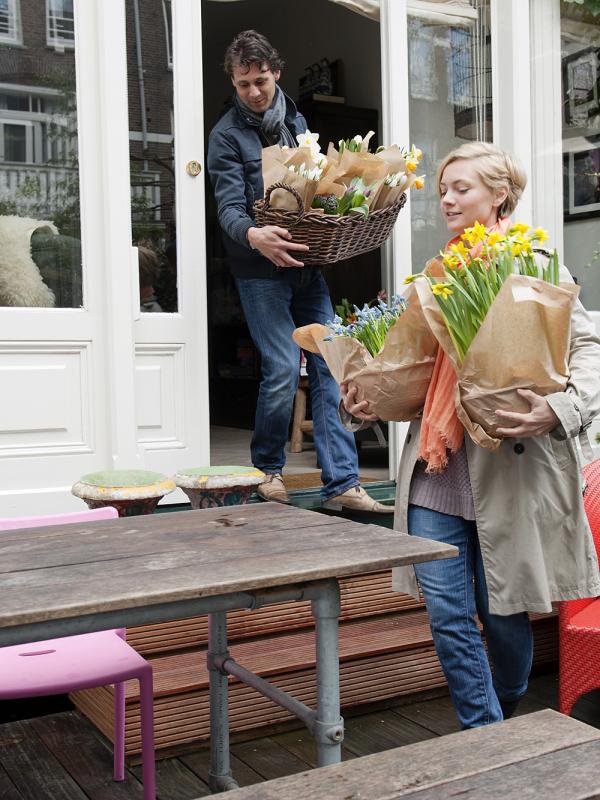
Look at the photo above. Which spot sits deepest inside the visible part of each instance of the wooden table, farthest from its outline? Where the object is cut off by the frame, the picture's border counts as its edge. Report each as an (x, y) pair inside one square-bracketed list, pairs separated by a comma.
[(538, 756), (63, 580)]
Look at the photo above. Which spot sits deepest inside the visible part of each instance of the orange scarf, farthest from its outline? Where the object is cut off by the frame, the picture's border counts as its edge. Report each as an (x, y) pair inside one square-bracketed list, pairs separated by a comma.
[(441, 430)]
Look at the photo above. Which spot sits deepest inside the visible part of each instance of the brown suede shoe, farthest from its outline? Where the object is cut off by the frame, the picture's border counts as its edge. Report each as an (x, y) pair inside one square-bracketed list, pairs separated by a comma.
[(273, 489), (356, 499)]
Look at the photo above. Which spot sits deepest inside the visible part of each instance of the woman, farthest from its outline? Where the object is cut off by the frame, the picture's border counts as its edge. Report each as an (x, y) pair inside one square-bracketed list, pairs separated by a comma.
[(516, 514)]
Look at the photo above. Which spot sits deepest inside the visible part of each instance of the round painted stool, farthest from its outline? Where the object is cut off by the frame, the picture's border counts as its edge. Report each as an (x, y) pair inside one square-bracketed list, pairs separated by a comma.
[(130, 491), (212, 487)]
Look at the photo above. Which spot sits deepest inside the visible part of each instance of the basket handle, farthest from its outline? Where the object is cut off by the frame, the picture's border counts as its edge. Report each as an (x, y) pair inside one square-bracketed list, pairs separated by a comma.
[(288, 189)]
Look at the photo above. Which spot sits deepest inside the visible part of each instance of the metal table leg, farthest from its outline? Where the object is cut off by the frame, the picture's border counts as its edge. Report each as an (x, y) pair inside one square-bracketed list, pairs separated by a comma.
[(328, 726), (220, 779)]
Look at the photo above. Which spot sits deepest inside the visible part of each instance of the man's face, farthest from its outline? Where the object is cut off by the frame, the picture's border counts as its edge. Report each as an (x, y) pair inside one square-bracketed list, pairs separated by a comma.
[(256, 86)]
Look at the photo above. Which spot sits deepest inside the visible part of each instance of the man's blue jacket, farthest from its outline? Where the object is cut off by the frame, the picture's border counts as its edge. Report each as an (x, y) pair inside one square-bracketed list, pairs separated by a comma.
[(235, 169)]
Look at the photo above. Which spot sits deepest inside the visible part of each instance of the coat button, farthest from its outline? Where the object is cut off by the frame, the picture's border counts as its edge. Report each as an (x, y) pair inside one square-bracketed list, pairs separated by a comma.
[(519, 448)]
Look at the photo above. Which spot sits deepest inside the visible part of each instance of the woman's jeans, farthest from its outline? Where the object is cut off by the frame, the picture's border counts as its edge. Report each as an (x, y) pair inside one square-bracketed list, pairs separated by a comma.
[(274, 307), (455, 590)]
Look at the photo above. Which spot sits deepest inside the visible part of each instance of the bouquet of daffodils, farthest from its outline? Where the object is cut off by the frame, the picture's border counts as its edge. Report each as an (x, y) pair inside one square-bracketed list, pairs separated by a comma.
[(498, 310), (388, 351)]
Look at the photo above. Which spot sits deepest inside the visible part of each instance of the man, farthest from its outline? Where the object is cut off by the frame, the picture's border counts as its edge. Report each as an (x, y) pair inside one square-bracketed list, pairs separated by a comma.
[(277, 293)]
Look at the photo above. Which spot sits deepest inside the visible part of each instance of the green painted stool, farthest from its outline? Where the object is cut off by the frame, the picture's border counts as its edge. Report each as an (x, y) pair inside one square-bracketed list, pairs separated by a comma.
[(130, 491), (213, 487)]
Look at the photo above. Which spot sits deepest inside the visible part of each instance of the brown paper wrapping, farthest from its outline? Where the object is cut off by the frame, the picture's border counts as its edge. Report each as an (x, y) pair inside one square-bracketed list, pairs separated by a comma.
[(523, 343), (395, 381), (275, 163), (388, 195)]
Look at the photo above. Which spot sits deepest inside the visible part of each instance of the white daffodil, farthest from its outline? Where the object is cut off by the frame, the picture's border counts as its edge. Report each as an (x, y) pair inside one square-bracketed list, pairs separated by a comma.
[(311, 140)]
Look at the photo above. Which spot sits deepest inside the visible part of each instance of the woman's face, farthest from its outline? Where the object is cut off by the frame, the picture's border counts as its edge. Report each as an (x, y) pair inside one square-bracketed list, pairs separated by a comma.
[(465, 199)]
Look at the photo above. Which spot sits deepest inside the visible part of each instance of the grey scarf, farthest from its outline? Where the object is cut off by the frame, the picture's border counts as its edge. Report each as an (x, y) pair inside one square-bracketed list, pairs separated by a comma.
[(271, 123)]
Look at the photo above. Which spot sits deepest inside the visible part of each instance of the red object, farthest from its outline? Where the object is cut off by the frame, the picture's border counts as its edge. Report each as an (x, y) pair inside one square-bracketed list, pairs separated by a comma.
[(579, 620)]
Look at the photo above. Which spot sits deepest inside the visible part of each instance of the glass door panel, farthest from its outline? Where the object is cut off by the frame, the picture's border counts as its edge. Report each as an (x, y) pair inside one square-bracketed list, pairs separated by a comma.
[(580, 53), (450, 102), (151, 151), (39, 168)]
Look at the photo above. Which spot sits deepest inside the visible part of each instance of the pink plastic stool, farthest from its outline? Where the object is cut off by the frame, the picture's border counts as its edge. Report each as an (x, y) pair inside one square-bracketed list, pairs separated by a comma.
[(79, 662)]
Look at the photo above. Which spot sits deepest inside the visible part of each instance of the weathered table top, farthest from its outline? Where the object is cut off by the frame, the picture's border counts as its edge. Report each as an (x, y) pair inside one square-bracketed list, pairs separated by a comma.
[(60, 572), (533, 757)]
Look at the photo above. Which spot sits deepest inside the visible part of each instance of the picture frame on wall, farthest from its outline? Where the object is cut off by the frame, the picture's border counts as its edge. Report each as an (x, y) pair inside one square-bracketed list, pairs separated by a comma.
[(581, 166), (581, 87)]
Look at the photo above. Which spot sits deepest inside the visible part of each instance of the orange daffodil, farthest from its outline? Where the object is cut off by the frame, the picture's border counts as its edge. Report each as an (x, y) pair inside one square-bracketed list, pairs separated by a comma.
[(477, 266)]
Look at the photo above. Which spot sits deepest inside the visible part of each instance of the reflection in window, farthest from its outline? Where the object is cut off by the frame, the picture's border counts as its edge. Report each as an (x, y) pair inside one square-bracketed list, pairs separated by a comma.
[(150, 92), (61, 23), (39, 172), (10, 22), (580, 52), (450, 103), (168, 30)]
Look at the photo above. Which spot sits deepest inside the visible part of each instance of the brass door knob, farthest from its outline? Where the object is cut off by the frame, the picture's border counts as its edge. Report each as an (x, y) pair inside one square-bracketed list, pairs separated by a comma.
[(193, 168)]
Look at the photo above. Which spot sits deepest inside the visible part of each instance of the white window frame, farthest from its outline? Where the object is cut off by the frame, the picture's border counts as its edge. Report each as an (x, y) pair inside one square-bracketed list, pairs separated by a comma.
[(15, 34), (52, 38)]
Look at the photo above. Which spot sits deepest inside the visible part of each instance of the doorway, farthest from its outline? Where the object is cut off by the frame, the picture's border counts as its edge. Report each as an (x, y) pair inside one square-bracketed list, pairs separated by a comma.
[(308, 37)]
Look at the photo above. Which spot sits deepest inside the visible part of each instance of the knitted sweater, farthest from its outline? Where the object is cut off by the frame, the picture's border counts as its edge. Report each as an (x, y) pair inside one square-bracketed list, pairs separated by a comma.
[(449, 491)]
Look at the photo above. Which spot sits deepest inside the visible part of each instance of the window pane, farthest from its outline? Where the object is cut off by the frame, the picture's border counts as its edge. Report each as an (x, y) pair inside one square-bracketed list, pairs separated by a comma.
[(15, 143), (151, 154), (61, 26), (450, 103), (580, 46), (39, 173)]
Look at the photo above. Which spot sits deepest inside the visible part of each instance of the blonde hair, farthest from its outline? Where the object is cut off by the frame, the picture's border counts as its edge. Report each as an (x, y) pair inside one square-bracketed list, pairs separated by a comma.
[(497, 169)]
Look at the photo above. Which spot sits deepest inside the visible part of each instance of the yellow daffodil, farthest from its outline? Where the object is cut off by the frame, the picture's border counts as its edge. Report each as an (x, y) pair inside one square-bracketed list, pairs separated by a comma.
[(416, 153), (540, 234), (411, 164), (450, 261), (442, 289), (495, 238), (517, 248), (518, 227), (411, 278), (419, 182), (460, 249)]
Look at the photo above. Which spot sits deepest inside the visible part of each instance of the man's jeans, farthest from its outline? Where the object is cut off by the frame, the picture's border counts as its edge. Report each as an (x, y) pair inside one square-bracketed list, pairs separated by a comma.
[(273, 308), (454, 590)]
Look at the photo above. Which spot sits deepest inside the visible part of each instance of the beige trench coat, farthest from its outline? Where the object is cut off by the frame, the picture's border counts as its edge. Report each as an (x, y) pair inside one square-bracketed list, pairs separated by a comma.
[(535, 540)]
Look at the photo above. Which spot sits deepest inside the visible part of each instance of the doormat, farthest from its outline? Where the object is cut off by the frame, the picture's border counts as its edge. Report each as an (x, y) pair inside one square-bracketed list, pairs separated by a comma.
[(309, 480)]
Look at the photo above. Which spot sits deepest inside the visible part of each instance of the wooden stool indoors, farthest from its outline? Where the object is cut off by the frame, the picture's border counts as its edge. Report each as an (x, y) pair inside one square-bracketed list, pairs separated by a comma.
[(300, 424)]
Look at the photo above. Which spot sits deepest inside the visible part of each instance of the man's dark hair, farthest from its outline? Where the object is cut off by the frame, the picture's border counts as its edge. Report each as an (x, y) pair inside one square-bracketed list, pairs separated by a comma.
[(250, 47)]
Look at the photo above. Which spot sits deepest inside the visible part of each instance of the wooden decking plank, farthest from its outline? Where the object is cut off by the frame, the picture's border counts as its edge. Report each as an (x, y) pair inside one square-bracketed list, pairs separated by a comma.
[(34, 770), (436, 716), (8, 791), (199, 763), (302, 745), (371, 733), (268, 758), (88, 759), (174, 781)]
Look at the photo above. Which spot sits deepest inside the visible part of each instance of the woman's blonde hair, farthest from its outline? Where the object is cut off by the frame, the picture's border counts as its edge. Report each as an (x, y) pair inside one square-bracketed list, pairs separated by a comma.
[(497, 169)]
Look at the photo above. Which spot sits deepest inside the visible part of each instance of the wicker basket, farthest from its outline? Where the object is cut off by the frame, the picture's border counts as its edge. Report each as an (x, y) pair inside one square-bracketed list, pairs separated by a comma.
[(330, 238)]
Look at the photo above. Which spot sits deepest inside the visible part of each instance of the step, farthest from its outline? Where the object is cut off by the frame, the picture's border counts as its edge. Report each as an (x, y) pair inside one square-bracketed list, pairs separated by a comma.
[(380, 658)]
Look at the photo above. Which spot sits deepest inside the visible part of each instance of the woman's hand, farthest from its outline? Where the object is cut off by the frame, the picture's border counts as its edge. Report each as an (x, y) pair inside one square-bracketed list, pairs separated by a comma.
[(536, 422), (359, 410)]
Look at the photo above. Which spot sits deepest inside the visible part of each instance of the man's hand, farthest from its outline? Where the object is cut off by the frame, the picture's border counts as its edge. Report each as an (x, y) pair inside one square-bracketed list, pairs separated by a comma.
[(275, 243), (359, 410), (536, 422)]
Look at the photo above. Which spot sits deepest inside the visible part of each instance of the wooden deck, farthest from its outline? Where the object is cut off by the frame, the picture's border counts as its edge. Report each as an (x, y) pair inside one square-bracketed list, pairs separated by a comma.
[(61, 756)]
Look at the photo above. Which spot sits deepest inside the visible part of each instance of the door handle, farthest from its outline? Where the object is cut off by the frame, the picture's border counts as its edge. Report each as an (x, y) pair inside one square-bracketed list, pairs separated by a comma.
[(193, 168)]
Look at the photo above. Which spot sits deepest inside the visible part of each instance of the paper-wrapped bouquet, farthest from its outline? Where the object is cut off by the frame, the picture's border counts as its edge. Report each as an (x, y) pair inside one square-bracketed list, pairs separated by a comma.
[(503, 319), (388, 353)]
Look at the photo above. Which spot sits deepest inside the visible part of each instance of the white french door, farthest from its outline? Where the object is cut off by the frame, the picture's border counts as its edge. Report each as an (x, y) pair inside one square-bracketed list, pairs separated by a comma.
[(89, 381)]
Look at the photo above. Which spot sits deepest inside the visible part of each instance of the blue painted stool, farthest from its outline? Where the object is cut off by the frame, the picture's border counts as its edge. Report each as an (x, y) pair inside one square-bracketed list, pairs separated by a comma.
[(213, 487)]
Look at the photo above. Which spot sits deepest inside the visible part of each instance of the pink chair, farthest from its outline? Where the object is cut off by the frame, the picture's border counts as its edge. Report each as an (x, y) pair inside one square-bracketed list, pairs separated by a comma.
[(83, 662)]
